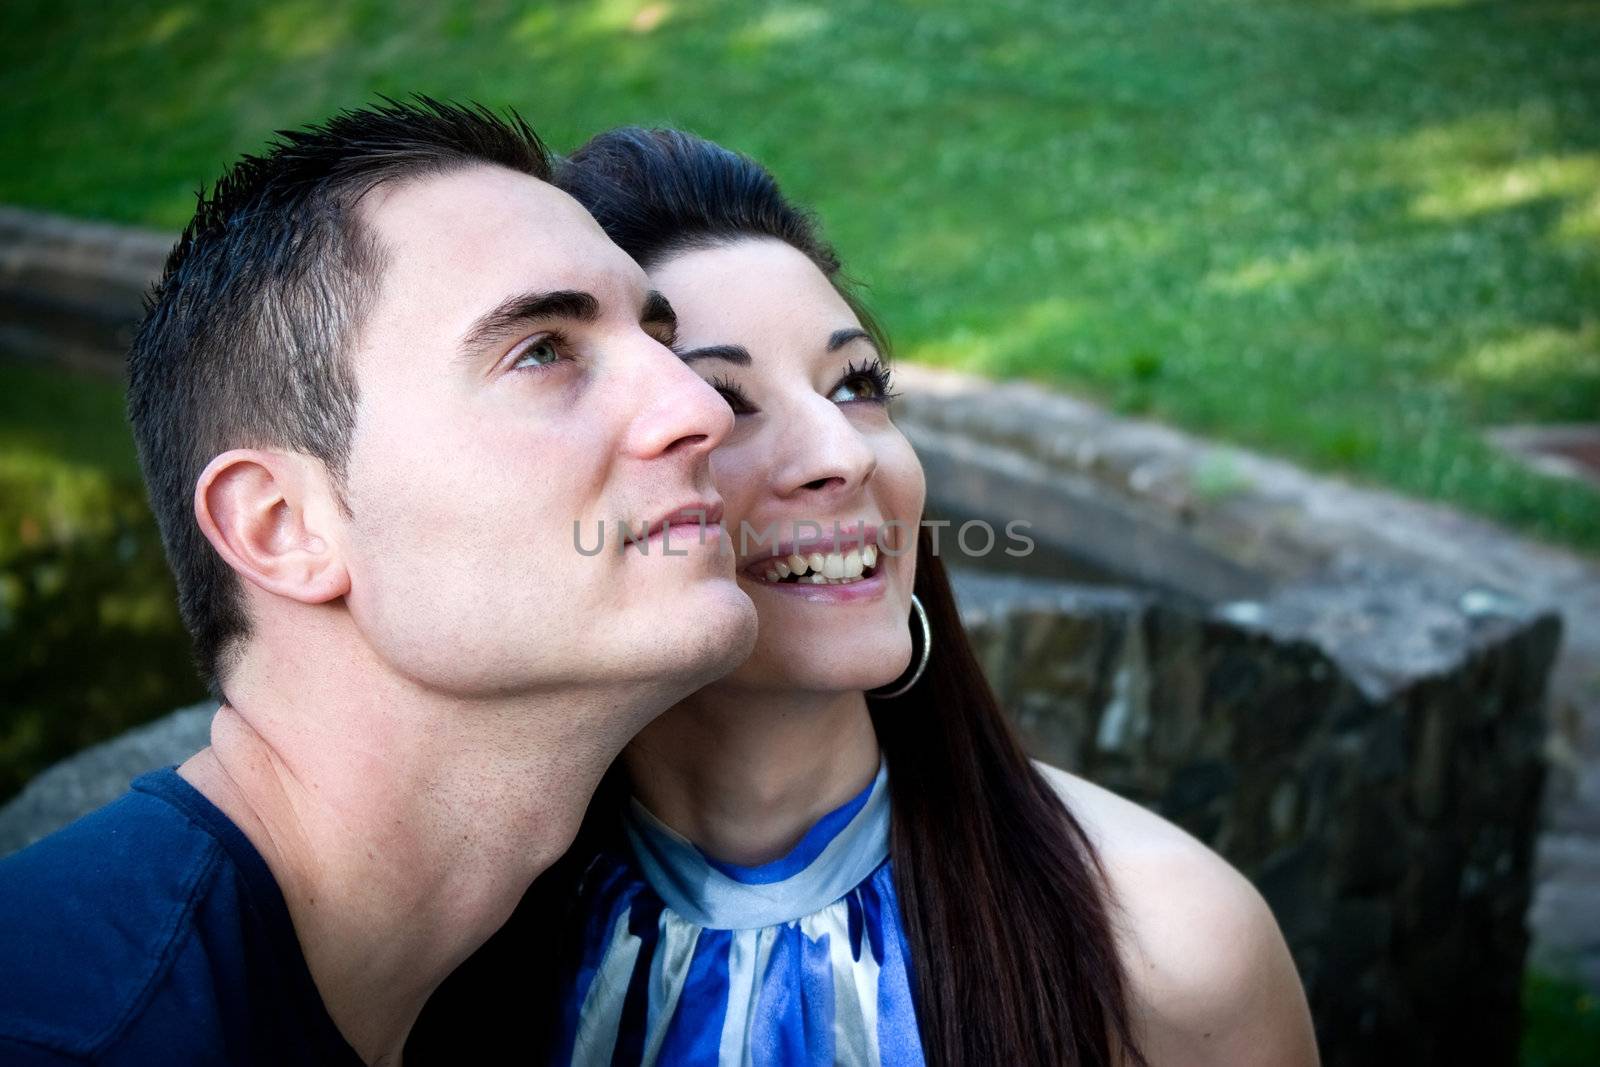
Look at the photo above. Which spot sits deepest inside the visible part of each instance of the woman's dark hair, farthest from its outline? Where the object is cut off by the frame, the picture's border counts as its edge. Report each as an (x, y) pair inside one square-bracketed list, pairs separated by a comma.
[(1006, 907)]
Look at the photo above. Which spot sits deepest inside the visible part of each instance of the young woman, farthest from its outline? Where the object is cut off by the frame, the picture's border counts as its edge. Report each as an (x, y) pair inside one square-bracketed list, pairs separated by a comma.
[(840, 853)]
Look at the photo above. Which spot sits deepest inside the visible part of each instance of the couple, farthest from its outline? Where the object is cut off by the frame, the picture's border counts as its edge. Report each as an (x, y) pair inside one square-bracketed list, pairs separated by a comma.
[(473, 787)]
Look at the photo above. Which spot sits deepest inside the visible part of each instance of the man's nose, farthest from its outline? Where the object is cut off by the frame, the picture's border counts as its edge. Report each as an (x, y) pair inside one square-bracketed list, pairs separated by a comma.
[(679, 413)]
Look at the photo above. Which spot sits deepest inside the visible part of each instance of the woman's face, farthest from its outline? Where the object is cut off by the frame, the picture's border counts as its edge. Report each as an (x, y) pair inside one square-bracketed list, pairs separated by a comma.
[(812, 451)]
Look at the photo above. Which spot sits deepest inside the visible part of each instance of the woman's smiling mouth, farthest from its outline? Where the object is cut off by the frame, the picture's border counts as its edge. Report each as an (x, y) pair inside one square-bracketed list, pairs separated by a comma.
[(849, 554), (817, 568)]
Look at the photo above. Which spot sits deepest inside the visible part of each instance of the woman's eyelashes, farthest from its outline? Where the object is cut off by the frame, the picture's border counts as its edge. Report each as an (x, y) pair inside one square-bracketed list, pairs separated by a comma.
[(866, 382), (665, 333), (732, 394)]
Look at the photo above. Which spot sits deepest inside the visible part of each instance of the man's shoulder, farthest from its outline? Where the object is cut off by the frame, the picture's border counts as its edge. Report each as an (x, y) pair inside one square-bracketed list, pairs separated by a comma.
[(93, 915)]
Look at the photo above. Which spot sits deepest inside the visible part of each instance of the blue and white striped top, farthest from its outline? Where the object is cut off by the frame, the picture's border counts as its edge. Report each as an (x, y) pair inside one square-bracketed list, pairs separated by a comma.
[(689, 961)]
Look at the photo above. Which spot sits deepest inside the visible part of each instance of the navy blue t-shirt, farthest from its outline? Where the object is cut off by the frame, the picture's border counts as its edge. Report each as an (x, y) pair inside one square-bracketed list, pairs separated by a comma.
[(152, 932)]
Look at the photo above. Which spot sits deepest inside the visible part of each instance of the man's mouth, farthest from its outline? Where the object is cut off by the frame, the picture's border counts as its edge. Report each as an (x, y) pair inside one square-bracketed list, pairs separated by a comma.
[(700, 514), (817, 568)]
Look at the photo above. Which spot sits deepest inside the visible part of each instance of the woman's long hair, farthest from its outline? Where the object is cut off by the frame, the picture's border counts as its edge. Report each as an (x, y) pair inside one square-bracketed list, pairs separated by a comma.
[(1005, 906)]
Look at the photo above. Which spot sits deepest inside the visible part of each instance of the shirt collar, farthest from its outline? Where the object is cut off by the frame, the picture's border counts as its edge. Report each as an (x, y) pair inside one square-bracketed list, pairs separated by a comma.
[(835, 855)]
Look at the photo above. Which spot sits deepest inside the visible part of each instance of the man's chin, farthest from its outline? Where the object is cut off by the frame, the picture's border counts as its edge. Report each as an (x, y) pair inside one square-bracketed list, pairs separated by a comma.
[(713, 627)]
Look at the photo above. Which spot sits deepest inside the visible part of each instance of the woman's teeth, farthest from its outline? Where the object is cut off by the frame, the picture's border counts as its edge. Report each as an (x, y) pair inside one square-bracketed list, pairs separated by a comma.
[(822, 568)]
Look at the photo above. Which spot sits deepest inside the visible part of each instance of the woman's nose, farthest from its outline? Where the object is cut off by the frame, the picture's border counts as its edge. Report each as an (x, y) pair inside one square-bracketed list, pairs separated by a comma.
[(828, 457)]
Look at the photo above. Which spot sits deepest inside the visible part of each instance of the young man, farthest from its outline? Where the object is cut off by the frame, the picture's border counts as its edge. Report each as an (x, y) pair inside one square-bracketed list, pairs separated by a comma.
[(387, 370)]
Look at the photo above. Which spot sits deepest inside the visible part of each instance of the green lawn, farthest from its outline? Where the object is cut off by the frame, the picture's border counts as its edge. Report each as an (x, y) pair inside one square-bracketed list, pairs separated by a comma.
[(1351, 233), (1560, 1022)]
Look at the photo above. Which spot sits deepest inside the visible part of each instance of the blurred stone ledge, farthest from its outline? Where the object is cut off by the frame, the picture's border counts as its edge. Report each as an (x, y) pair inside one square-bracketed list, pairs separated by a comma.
[(72, 291), (100, 774)]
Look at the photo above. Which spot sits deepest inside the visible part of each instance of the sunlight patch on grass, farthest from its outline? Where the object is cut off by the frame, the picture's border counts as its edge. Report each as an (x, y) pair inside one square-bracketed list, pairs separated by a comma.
[(1468, 191), (962, 347), (304, 29), (563, 29), (1580, 222), (1548, 352), (167, 25), (1009, 346), (649, 18), (624, 16), (1490, 138), (784, 24), (536, 26), (1271, 273)]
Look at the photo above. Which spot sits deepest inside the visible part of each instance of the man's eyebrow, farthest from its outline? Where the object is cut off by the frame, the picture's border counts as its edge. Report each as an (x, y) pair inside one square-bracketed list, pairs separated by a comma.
[(738, 355), (523, 308), (839, 338)]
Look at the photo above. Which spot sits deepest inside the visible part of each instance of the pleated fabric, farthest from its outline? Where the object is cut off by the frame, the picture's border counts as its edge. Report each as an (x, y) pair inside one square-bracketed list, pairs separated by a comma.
[(689, 961)]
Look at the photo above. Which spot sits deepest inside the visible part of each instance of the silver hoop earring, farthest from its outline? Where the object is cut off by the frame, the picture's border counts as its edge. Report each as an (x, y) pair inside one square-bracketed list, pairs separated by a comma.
[(922, 660)]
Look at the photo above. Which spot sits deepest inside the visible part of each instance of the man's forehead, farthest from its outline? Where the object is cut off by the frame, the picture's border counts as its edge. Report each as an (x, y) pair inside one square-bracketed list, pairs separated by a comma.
[(484, 227)]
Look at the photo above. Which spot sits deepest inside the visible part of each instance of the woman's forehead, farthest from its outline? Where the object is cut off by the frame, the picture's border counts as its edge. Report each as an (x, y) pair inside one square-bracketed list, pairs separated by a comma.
[(749, 290)]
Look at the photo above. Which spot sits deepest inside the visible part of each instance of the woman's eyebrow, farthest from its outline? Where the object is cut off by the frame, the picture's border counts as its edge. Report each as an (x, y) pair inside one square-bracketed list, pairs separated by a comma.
[(839, 338), (738, 355)]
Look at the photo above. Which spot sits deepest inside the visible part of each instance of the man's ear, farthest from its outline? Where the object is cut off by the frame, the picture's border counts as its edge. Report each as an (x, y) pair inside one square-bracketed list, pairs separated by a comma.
[(271, 516)]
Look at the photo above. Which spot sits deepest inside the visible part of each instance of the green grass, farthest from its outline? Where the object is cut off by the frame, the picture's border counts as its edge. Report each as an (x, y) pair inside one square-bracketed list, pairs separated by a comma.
[(1351, 233), (1560, 1022), (71, 419)]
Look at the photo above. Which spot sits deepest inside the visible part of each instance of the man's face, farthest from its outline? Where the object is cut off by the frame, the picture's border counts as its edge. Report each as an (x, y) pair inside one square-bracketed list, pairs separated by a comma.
[(513, 382)]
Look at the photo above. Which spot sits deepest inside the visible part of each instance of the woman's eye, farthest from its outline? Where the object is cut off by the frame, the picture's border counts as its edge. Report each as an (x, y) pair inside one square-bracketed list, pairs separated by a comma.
[(867, 381), (733, 395), (539, 353), (855, 389)]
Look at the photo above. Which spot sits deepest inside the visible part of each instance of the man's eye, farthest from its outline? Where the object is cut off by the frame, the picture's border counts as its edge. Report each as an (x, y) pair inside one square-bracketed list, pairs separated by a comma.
[(539, 352)]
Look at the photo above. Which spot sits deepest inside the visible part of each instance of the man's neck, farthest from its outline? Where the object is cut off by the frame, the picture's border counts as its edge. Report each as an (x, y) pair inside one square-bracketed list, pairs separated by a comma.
[(745, 773), (404, 830)]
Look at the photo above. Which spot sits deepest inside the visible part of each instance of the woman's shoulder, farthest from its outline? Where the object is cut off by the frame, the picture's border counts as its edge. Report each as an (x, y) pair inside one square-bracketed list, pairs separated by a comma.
[(1207, 966)]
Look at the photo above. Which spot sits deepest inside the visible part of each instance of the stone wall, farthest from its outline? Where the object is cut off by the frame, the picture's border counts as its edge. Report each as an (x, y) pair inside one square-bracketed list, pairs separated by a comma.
[(71, 291), (1389, 822)]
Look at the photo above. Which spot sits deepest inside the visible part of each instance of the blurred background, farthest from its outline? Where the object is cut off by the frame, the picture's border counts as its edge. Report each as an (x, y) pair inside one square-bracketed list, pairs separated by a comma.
[(1362, 237)]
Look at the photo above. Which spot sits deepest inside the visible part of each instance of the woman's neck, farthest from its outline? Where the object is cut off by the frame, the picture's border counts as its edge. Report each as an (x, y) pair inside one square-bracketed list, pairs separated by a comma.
[(745, 773)]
